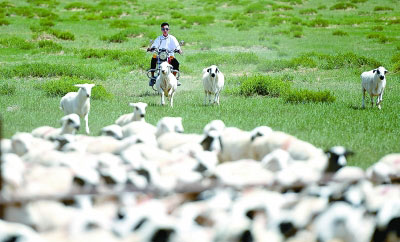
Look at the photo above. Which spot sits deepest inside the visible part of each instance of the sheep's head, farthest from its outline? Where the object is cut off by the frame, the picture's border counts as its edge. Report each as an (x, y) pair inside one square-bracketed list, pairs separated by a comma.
[(213, 70), (169, 124), (86, 88), (139, 109), (165, 68), (113, 130), (71, 121), (337, 158), (380, 72)]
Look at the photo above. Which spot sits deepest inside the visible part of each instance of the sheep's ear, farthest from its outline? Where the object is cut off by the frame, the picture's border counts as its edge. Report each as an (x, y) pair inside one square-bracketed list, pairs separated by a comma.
[(132, 104), (216, 70), (386, 71), (209, 70), (92, 85), (374, 71), (78, 85)]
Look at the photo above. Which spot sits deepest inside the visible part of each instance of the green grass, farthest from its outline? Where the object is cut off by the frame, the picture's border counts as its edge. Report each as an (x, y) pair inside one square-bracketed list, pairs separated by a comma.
[(317, 48)]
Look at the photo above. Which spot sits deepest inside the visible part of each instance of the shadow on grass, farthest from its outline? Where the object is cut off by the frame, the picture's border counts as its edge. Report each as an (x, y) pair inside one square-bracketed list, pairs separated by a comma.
[(148, 94), (356, 107)]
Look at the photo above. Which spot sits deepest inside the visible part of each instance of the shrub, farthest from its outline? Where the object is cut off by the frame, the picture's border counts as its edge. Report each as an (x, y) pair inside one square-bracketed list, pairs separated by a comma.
[(7, 89), (4, 22), (307, 96), (60, 87), (116, 38), (347, 60), (319, 22), (49, 45), (46, 23), (308, 11), (340, 33), (255, 8), (201, 20), (343, 6), (383, 8), (136, 57), (16, 42), (380, 37), (396, 58), (120, 24), (275, 21), (358, 1), (281, 7), (64, 35), (377, 28), (78, 5), (396, 67), (263, 85), (51, 70)]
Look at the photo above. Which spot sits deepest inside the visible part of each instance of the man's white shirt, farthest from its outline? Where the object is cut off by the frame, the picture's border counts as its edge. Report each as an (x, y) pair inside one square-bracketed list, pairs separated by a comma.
[(170, 43)]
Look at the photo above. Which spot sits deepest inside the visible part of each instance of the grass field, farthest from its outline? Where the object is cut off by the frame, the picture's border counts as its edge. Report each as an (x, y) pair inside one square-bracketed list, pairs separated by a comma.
[(314, 45)]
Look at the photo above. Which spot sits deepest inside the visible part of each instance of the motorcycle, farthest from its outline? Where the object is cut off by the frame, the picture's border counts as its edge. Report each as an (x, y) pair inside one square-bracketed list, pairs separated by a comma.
[(162, 55)]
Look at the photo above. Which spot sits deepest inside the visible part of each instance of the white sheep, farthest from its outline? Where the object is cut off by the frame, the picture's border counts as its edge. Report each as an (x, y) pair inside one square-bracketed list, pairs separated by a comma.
[(166, 83), (139, 112), (112, 130), (213, 82), (374, 83), (169, 124), (78, 102), (70, 124)]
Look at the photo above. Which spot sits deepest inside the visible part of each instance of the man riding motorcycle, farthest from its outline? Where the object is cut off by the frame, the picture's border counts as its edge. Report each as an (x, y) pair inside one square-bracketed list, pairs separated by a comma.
[(171, 44)]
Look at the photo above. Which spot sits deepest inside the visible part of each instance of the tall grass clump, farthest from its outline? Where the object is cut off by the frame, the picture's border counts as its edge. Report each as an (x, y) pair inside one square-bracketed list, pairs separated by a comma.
[(136, 58), (78, 6), (121, 24), (308, 11), (342, 60), (4, 22), (343, 6), (308, 96), (381, 38), (294, 63), (339, 33), (64, 35), (318, 22), (49, 45), (383, 8), (17, 42), (60, 87), (7, 89), (51, 70), (263, 85)]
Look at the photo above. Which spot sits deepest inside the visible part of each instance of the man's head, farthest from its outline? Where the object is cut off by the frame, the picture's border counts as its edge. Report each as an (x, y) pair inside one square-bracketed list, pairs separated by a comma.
[(165, 28)]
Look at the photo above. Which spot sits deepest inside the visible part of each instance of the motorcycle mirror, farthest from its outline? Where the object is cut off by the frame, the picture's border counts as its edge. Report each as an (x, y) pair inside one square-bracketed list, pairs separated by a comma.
[(181, 42), (151, 41)]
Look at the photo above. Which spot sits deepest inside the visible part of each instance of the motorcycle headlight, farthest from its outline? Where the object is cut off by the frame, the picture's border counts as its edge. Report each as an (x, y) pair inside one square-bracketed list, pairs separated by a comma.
[(163, 55)]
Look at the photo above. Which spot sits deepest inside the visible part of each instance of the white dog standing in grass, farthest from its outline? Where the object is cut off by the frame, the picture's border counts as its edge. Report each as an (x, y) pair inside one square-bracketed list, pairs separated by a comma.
[(374, 83), (78, 102), (213, 82)]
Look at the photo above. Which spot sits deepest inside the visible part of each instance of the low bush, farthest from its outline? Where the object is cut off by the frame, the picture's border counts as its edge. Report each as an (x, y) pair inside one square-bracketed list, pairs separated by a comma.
[(255, 8), (46, 23), (4, 22), (17, 42), (7, 89), (49, 45), (383, 8), (60, 87), (281, 7), (308, 11), (135, 57), (396, 58), (51, 70), (64, 35), (78, 5), (343, 6), (116, 38), (122, 24), (381, 38), (263, 85), (308, 96), (377, 28), (318, 22), (396, 67), (339, 33)]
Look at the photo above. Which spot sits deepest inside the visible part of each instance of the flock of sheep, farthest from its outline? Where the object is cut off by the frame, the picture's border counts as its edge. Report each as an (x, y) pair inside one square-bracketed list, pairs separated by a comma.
[(140, 182)]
